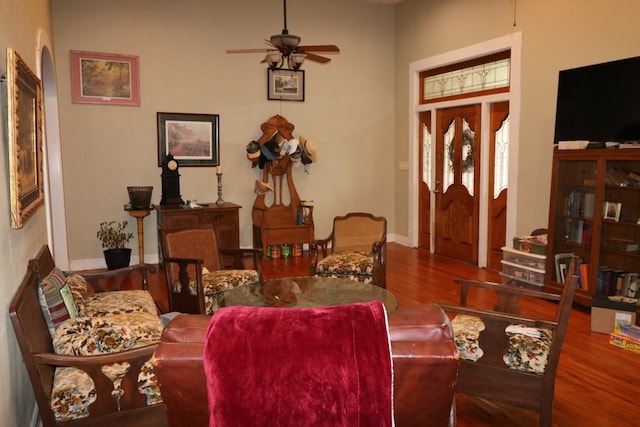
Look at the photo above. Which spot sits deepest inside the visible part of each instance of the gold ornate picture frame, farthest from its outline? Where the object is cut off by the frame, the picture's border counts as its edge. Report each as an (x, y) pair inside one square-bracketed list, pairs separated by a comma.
[(24, 105)]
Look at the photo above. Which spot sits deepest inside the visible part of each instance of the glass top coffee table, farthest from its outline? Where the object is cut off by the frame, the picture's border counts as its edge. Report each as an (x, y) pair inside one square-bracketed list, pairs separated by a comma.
[(307, 292)]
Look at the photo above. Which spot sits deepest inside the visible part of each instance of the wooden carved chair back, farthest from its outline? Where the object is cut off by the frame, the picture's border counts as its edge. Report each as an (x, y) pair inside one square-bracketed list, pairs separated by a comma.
[(191, 243)]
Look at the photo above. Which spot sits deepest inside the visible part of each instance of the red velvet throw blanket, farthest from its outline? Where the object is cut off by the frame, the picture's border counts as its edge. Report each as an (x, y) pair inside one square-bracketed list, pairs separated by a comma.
[(328, 366)]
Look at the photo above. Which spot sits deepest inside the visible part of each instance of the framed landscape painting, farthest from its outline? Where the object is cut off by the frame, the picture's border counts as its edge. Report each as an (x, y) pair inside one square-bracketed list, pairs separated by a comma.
[(24, 105), (192, 139), (105, 78)]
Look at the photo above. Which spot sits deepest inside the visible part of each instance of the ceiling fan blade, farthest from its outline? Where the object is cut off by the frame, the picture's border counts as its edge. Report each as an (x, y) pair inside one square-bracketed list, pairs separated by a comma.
[(316, 58), (249, 50), (319, 48)]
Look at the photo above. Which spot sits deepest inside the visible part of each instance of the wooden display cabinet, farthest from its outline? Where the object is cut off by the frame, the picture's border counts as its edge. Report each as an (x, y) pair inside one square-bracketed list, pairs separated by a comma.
[(225, 218), (594, 212)]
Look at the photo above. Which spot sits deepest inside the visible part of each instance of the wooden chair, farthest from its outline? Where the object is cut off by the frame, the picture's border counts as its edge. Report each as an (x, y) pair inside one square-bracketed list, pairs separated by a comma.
[(487, 347), (198, 271), (358, 249), (279, 216)]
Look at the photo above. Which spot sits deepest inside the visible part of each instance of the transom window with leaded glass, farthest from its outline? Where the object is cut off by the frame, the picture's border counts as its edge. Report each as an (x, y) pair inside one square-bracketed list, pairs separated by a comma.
[(488, 74)]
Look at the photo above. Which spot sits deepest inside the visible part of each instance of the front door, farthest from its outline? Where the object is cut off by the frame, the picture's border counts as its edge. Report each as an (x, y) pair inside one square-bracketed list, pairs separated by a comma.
[(457, 182)]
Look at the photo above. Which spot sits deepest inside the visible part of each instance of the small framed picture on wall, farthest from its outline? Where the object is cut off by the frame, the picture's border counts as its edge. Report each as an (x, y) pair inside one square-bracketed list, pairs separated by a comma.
[(285, 85)]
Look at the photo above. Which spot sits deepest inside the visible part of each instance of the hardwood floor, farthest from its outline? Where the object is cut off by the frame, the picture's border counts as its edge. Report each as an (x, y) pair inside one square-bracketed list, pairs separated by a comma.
[(596, 385)]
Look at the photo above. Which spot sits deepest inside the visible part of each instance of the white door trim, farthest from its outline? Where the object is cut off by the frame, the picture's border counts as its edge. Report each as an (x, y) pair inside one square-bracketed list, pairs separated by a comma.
[(512, 42)]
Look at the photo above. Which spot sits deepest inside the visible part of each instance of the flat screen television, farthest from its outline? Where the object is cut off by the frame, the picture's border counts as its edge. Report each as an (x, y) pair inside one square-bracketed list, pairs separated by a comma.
[(599, 102)]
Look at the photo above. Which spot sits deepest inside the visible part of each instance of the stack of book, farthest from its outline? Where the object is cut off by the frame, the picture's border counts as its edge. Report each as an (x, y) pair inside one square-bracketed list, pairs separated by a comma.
[(626, 337)]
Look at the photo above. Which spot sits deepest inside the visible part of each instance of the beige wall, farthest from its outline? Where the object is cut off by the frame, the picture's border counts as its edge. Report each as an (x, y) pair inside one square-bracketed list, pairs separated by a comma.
[(24, 26), (555, 36), (348, 109)]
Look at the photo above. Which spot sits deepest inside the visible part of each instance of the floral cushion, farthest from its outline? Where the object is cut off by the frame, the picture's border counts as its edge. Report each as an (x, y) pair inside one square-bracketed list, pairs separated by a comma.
[(215, 283), (73, 389), (118, 302), (528, 348), (354, 265), (466, 331), (86, 336)]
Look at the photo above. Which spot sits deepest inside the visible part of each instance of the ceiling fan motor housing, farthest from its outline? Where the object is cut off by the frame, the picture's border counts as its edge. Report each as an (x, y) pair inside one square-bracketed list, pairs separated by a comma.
[(286, 40)]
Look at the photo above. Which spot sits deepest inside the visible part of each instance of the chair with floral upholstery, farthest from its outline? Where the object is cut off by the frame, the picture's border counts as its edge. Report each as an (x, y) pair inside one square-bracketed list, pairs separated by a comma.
[(198, 272), (358, 249), (505, 356), (87, 345)]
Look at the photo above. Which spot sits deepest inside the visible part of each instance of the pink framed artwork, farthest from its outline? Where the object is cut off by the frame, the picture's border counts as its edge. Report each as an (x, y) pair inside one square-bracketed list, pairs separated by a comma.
[(105, 78)]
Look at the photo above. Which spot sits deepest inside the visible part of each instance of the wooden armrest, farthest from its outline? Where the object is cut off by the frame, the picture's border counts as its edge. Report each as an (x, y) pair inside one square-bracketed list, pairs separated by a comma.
[(239, 253), (318, 245), (508, 289), (116, 277), (378, 246), (55, 359), (183, 273), (500, 317)]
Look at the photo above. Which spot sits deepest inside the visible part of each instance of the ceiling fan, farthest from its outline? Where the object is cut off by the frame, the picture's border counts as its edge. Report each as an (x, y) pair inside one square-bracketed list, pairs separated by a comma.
[(284, 49)]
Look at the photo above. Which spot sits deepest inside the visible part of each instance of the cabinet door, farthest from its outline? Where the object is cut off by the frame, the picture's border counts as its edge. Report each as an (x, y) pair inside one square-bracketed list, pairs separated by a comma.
[(573, 224), (227, 226), (619, 255)]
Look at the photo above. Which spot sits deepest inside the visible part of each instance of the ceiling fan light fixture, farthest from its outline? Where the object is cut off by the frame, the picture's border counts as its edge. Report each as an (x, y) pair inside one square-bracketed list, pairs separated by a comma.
[(296, 60), (274, 59)]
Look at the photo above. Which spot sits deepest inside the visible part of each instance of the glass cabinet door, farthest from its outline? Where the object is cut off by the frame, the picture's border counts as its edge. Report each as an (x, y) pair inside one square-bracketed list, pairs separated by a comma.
[(575, 208), (619, 258)]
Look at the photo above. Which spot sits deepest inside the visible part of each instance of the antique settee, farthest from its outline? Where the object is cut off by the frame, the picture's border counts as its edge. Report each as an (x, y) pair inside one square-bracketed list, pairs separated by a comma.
[(87, 342), (424, 360)]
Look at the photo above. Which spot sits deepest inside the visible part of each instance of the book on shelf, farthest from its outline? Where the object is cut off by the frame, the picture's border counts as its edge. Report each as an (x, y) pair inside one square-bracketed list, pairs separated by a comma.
[(578, 202), (577, 231), (620, 178), (589, 199), (622, 245), (617, 280), (583, 277), (604, 279)]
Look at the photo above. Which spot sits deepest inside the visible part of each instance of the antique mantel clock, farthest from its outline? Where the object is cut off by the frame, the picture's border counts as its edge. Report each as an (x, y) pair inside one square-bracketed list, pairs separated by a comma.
[(170, 182)]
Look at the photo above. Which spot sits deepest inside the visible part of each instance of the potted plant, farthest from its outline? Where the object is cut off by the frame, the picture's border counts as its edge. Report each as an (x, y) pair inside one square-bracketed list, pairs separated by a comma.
[(114, 237)]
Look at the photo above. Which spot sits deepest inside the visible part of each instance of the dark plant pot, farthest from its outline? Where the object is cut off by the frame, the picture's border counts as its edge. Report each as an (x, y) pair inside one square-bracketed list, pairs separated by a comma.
[(117, 258)]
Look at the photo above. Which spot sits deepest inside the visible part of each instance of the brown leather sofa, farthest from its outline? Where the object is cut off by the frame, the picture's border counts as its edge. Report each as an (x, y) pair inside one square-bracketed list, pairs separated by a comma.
[(425, 366)]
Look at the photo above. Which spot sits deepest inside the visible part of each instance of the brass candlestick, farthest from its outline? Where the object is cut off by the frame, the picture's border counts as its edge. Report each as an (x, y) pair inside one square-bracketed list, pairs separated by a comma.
[(219, 201)]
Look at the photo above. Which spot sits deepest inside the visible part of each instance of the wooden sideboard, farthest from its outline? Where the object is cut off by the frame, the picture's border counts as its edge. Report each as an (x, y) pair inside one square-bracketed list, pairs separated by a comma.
[(225, 217)]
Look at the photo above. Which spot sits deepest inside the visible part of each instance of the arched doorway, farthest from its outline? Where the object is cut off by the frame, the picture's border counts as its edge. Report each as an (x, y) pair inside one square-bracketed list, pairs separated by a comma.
[(54, 191)]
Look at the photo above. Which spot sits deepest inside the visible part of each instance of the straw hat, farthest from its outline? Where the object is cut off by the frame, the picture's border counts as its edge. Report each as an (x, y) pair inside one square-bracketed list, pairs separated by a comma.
[(309, 149)]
